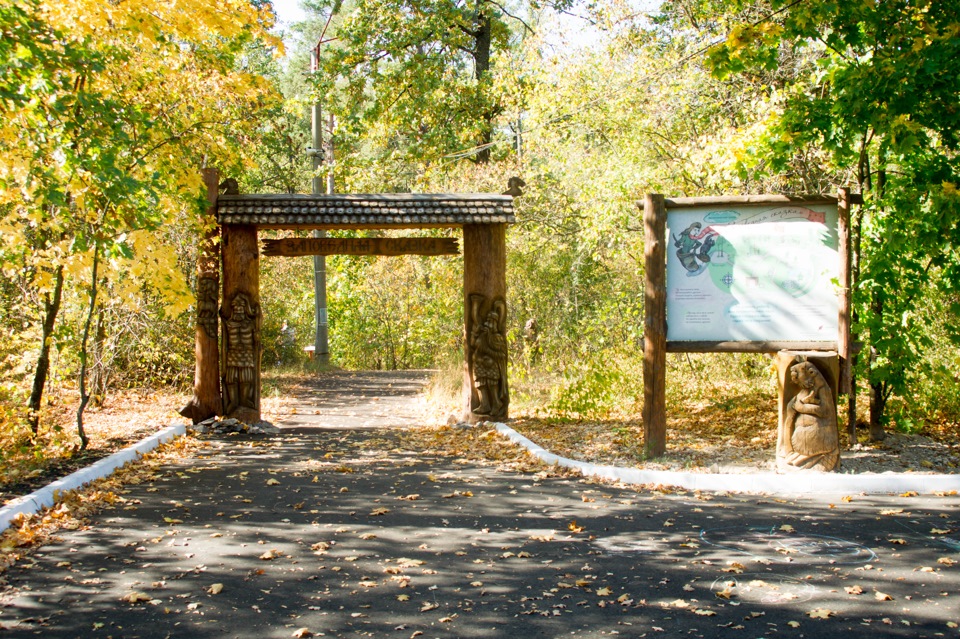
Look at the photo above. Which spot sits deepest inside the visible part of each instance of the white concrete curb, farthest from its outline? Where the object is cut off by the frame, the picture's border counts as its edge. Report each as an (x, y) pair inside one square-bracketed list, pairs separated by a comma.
[(44, 497), (798, 483)]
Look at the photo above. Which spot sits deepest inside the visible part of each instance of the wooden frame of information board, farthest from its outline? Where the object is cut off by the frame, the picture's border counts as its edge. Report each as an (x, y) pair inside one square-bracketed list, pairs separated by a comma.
[(656, 344)]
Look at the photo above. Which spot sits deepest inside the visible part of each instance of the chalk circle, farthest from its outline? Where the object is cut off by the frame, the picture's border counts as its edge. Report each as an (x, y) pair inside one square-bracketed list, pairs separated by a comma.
[(775, 545), (764, 588), (628, 544)]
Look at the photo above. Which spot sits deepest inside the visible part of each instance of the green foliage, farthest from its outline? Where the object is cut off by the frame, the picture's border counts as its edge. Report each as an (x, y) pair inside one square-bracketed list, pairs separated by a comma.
[(877, 91)]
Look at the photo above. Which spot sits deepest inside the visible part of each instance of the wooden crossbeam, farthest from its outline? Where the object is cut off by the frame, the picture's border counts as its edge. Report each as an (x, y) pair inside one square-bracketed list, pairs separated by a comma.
[(298, 246)]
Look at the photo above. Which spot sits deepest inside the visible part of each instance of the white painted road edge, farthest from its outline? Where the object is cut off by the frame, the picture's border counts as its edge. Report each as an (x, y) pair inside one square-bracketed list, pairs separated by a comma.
[(795, 483), (44, 497)]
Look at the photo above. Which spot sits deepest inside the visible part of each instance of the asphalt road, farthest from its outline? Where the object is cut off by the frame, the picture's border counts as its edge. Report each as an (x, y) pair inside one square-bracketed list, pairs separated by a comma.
[(348, 533)]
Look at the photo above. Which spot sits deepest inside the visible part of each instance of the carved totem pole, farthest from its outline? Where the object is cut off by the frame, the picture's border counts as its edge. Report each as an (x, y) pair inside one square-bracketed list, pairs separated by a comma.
[(488, 354), (241, 355), (485, 388), (206, 400), (241, 347)]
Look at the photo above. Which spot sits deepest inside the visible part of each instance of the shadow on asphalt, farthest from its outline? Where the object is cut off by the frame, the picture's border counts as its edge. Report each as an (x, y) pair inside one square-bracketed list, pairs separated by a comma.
[(350, 534)]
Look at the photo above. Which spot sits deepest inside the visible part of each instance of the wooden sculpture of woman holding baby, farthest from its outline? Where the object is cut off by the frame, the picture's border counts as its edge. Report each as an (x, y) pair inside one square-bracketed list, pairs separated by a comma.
[(808, 437)]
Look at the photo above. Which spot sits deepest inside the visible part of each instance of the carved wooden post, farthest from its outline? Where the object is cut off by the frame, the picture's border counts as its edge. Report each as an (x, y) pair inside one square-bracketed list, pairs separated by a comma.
[(241, 323), (485, 390), (206, 380), (655, 331), (843, 323)]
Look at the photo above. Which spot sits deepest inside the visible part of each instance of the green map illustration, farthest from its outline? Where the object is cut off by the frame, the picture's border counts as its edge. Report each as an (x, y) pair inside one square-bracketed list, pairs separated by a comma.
[(752, 274)]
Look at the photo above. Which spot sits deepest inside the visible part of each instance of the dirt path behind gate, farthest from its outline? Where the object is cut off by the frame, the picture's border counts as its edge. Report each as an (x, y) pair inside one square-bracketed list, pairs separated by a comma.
[(355, 399)]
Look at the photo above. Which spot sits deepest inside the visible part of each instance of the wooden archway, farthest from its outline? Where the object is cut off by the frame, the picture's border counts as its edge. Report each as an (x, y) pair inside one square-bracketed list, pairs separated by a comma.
[(227, 375)]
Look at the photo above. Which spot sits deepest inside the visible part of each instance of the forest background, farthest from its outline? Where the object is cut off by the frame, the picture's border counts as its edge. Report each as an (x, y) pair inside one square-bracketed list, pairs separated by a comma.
[(110, 110)]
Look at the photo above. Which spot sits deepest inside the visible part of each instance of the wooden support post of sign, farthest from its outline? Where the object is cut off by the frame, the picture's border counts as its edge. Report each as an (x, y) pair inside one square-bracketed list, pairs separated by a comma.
[(242, 318), (843, 323), (206, 379), (486, 393), (655, 330)]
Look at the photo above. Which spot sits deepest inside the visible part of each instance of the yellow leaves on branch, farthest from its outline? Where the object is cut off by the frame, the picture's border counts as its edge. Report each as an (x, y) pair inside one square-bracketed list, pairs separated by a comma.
[(147, 20)]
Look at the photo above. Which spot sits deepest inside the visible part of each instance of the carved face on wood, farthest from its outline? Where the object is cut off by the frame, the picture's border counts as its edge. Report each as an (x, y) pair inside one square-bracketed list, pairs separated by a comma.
[(805, 375)]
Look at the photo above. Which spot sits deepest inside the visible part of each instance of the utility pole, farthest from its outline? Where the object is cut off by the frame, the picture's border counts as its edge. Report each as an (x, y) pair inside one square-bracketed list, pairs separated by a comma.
[(320, 345)]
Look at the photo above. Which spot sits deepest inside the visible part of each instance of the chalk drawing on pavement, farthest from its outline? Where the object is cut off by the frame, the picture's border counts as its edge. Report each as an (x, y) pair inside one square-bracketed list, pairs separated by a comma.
[(773, 544)]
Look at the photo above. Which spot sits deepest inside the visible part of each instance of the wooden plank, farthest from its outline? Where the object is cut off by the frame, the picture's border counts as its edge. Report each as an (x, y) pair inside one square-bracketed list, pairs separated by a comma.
[(734, 200), (655, 334), (486, 394), (299, 246), (206, 379), (748, 347)]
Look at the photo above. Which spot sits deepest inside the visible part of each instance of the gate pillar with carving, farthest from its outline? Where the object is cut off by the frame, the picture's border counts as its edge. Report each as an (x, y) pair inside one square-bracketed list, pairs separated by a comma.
[(485, 388), (241, 318)]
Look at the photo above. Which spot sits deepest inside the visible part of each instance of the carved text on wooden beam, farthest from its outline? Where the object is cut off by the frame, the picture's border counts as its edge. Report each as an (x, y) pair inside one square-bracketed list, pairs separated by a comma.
[(298, 246)]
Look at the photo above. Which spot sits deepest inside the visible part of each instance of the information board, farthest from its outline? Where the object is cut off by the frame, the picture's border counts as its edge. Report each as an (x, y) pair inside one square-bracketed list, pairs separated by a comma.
[(752, 273)]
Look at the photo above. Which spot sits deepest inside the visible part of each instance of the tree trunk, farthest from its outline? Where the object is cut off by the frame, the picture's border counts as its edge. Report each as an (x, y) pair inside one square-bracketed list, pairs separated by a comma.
[(98, 380), (877, 389), (84, 396), (878, 397), (483, 37), (51, 307)]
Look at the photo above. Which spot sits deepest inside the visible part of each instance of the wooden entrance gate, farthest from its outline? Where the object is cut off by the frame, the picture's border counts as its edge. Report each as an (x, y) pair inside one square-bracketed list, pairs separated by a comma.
[(227, 377)]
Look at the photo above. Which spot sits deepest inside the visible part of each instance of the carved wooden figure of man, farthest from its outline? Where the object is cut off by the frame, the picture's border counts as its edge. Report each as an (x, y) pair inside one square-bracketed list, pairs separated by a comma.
[(488, 352), (808, 437), (242, 352)]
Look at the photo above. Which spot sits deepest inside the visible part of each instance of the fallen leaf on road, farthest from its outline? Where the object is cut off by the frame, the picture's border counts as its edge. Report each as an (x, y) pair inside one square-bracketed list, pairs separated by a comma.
[(215, 589), (820, 613), (376, 512), (946, 561), (882, 596), (793, 624), (853, 590), (270, 554), (274, 482), (136, 597), (603, 592), (302, 633)]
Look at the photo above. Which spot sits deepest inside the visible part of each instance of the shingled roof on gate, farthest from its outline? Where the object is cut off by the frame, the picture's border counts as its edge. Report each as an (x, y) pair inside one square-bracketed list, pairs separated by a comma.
[(400, 210)]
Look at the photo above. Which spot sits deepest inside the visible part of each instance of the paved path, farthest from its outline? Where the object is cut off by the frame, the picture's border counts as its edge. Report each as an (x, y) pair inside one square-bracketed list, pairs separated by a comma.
[(350, 399), (350, 534)]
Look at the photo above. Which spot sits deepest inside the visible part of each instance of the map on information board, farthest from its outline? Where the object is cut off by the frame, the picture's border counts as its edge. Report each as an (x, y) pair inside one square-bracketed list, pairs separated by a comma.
[(752, 273)]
